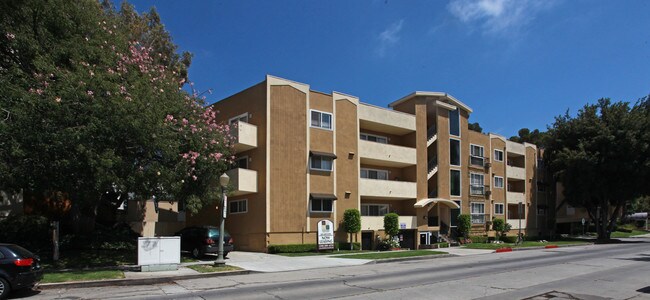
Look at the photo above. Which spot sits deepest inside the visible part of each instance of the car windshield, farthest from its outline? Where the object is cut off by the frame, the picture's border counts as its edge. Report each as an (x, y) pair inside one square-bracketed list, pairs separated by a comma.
[(20, 251)]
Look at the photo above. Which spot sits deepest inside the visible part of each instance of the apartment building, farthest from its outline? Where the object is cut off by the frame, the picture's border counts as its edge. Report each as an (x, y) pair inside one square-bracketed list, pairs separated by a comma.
[(304, 156)]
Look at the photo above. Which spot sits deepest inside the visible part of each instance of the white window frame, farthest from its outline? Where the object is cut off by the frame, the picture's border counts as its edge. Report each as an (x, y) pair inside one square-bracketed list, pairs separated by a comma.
[(320, 119), (367, 205), (460, 183), (460, 130), (231, 205), (460, 152), (311, 160), (496, 186), (243, 117), (374, 170), (474, 186), (311, 206), (496, 211), (472, 213), (481, 156), (364, 136), (496, 156)]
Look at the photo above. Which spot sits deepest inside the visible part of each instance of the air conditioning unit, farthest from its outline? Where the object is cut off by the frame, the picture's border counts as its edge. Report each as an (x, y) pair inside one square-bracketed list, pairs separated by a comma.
[(488, 165)]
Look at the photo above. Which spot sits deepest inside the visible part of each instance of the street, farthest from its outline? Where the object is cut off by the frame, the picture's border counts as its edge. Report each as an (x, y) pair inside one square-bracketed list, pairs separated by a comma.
[(617, 271)]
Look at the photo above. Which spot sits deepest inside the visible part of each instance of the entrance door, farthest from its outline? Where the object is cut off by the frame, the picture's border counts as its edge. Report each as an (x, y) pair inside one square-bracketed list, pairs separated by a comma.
[(366, 240), (425, 238), (407, 239)]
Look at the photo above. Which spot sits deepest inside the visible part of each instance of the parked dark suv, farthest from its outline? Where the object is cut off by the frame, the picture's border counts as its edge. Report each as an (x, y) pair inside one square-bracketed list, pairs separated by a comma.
[(204, 239), (19, 269)]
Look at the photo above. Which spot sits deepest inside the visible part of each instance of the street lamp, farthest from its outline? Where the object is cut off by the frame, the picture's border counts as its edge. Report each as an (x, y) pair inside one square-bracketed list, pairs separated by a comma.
[(520, 211), (223, 181)]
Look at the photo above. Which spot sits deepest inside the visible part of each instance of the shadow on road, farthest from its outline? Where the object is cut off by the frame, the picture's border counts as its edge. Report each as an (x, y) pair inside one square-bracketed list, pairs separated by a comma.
[(19, 294), (643, 257)]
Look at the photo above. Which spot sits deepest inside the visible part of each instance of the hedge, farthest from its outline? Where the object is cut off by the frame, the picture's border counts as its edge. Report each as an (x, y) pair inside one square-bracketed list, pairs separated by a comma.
[(295, 248), (478, 239)]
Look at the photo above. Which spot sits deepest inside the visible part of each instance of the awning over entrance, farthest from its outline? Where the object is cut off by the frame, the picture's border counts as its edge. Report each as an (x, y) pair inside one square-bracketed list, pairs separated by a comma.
[(425, 202)]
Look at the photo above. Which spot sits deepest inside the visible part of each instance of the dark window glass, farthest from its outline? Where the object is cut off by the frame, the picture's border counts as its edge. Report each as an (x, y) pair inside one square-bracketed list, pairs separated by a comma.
[(454, 122), (454, 152), (455, 182)]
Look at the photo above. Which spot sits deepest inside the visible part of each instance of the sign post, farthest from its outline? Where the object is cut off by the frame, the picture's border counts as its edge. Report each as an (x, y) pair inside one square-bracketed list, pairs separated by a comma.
[(325, 235), (583, 226)]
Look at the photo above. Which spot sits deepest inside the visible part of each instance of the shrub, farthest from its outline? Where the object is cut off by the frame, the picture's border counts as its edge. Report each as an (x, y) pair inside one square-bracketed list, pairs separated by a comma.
[(29, 231), (352, 222), (118, 237), (509, 239), (297, 248), (501, 227), (391, 224), (387, 244), (478, 239), (464, 225)]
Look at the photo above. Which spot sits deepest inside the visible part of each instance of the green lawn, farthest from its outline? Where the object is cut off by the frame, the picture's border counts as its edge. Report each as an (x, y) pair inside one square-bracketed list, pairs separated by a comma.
[(620, 234), (81, 276), (211, 268), (321, 253), (391, 254), (491, 246)]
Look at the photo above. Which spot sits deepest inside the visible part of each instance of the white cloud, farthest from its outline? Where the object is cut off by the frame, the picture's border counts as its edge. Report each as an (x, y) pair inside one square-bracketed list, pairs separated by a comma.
[(389, 37), (498, 16)]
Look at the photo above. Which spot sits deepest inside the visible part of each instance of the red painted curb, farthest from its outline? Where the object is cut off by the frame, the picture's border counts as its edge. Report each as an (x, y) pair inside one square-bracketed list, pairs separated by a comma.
[(551, 246), (504, 250)]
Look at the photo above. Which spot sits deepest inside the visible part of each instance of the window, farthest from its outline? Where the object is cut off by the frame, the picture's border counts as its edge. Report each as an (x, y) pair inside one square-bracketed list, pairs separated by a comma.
[(498, 208), (242, 162), (476, 155), (376, 210), (498, 182), (477, 186), (514, 213), (454, 212), (454, 122), (374, 174), (238, 206), (454, 182), (541, 210), (498, 155), (477, 210), (321, 205), (243, 117), (454, 152), (320, 163), (321, 119), (374, 138)]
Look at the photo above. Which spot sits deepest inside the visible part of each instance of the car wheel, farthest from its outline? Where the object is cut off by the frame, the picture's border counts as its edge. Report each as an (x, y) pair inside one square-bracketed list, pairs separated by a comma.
[(4, 288), (197, 253)]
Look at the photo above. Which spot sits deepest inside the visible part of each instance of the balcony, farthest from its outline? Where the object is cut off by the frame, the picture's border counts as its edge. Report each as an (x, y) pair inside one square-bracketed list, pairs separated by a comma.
[(244, 181), (386, 155), (245, 135), (515, 197), (377, 223), (380, 119), (516, 172), (387, 189), (479, 190)]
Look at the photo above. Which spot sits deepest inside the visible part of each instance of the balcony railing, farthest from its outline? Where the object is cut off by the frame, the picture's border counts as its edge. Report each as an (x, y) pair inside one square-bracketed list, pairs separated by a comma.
[(387, 189), (244, 181), (477, 161), (478, 218), (476, 189), (386, 154), (245, 136), (377, 223)]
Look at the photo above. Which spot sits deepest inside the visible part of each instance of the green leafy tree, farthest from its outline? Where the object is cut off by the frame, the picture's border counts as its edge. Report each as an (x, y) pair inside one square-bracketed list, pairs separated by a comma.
[(464, 225), (97, 115), (352, 222), (600, 157), (501, 227), (534, 137), (391, 225), (475, 126)]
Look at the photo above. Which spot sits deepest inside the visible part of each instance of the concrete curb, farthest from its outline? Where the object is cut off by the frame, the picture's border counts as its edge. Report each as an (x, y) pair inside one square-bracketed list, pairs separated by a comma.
[(414, 258), (545, 247), (136, 281)]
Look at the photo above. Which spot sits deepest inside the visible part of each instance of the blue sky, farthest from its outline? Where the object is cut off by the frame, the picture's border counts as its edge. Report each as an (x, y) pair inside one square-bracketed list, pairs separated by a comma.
[(517, 63)]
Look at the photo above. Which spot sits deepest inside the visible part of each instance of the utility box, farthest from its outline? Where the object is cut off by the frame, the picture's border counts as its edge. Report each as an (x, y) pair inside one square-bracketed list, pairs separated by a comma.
[(159, 253)]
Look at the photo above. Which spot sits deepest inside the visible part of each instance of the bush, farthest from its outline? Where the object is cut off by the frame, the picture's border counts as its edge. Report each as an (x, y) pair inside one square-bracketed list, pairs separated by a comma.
[(387, 244), (297, 248), (478, 239), (464, 225), (391, 224), (509, 239), (118, 237), (29, 231)]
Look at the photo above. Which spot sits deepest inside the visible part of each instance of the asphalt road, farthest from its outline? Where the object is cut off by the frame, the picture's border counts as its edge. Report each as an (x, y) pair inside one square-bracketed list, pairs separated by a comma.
[(620, 271)]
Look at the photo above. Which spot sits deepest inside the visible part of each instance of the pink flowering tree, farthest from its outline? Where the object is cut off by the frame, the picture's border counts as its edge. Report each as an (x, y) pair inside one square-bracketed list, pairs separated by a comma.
[(93, 108)]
